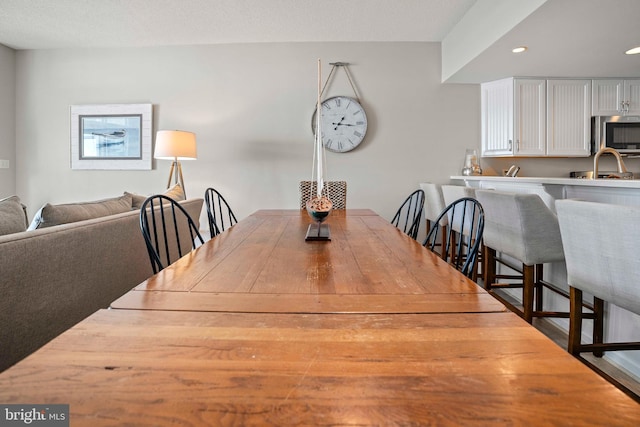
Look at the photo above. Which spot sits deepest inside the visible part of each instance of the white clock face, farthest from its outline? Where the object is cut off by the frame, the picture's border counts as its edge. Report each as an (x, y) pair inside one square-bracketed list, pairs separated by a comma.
[(343, 124)]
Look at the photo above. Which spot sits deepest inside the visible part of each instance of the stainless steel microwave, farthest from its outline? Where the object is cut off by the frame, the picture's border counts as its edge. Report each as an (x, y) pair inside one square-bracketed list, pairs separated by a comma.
[(619, 132)]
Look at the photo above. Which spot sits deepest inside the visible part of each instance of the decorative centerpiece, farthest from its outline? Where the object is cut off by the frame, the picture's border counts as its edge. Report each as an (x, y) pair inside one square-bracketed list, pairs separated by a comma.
[(471, 164), (318, 206)]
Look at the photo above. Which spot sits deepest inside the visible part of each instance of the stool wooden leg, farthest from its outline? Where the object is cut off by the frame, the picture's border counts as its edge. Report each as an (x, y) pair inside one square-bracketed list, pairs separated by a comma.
[(488, 266), (598, 323), (443, 237), (528, 280), (479, 263), (453, 242), (575, 321), (538, 291)]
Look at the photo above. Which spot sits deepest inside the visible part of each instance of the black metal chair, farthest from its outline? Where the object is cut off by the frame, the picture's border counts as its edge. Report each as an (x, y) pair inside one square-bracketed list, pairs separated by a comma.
[(409, 215), (165, 226), (219, 213), (465, 216)]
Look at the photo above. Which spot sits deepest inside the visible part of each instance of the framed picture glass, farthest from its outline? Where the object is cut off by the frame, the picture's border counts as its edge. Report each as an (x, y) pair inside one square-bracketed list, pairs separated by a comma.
[(111, 136)]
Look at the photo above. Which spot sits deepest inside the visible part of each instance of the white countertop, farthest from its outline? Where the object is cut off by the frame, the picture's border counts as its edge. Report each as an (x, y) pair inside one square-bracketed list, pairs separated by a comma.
[(617, 183)]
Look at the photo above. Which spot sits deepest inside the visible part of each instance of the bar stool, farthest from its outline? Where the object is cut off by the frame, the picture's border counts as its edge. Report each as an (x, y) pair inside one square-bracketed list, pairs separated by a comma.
[(522, 227), (451, 193), (601, 243), (433, 206)]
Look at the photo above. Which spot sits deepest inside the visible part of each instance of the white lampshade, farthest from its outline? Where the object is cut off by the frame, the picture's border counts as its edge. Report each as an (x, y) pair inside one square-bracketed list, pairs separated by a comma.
[(172, 144)]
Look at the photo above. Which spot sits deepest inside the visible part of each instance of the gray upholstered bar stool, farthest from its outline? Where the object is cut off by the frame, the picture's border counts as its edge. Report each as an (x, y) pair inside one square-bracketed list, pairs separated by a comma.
[(433, 207), (522, 227), (601, 243)]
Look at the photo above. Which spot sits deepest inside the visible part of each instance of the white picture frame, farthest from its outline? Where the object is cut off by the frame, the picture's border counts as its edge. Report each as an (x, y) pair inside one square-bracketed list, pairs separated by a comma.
[(111, 136)]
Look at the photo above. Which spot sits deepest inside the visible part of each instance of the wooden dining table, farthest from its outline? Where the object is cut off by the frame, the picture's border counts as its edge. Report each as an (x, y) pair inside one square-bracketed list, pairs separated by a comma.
[(264, 264), (258, 327)]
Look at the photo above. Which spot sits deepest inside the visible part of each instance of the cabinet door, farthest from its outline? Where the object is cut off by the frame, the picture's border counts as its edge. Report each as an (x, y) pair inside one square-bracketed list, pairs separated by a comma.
[(529, 117), (632, 95), (569, 118), (607, 97), (497, 118)]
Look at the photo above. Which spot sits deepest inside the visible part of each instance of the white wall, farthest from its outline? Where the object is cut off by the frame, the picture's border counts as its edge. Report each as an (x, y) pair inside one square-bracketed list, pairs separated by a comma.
[(7, 120), (250, 106)]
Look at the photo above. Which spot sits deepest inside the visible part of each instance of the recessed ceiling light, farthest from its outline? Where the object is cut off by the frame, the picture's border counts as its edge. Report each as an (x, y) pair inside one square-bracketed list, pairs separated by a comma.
[(519, 49), (633, 51)]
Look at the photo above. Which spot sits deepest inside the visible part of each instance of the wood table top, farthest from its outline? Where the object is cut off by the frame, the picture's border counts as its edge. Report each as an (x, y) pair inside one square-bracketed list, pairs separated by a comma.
[(147, 367), (263, 264), (260, 328)]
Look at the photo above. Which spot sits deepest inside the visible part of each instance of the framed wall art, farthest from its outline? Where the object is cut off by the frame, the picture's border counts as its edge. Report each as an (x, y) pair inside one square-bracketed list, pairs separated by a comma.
[(111, 136)]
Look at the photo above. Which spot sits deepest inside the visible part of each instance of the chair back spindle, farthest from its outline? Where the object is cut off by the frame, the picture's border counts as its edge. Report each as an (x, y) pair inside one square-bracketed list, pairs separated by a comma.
[(219, 213), (465, 216), (409, 215), (165, 226)]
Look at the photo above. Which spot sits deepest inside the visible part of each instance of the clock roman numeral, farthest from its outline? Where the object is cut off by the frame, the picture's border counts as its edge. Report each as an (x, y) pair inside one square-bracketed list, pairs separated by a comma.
[(358, 134)]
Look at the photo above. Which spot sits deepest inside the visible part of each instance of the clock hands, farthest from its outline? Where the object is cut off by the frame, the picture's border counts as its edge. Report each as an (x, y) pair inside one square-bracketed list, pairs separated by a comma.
[(341, 124)]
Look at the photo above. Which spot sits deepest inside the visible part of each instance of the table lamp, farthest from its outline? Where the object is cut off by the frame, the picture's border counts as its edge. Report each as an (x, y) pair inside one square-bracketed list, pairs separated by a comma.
[(175, 145)]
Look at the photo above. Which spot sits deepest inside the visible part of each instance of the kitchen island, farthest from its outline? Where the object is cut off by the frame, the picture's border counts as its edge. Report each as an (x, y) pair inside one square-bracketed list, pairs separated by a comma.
[(620, 325), (616, 191)]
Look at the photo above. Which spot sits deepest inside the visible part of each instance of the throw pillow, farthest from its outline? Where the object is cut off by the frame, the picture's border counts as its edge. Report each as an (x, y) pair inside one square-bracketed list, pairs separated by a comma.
[(136, 200), (13, 216), (50, 215), (176, 192)]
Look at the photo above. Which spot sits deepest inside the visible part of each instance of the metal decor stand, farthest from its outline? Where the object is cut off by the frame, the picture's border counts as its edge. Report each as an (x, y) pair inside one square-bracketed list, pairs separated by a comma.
[(318, 232), (318, 207)]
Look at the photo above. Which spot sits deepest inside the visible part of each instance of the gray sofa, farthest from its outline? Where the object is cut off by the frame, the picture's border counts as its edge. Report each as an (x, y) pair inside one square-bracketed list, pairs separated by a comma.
[(52, 278)]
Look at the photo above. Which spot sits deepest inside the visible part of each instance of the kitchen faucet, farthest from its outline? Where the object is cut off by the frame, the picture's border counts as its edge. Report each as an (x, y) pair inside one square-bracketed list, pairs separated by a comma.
[(621, 167)]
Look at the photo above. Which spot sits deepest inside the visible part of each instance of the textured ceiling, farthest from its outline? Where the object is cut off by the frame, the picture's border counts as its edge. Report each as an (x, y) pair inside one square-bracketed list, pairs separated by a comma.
[(46, 24), (566, 38)]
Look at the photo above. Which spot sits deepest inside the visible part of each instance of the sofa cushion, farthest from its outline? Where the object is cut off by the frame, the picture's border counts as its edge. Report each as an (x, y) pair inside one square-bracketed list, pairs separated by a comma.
[(176, 193), (13, 216), (136, 200), (50, 215)]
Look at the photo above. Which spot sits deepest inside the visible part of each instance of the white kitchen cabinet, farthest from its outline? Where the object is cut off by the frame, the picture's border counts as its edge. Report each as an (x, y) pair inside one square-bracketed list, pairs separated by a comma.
[(568, 118), (513, 115), (497, 118), (535, 118), (529, 99), (614, 97)]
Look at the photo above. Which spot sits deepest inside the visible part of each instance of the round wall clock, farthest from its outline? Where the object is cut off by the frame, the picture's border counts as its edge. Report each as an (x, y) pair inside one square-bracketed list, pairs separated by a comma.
[(343, 123)]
